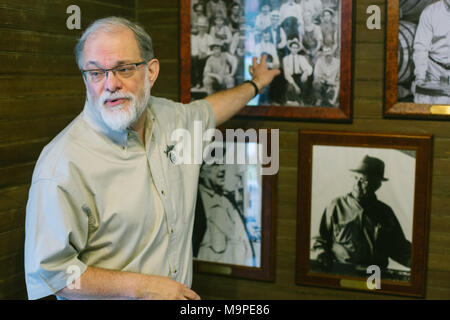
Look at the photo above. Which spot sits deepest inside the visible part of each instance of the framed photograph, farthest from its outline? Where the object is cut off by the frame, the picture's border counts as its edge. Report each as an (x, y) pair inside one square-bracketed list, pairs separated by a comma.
[(363, 211), (234, 228), (310, 41), (417, 83)]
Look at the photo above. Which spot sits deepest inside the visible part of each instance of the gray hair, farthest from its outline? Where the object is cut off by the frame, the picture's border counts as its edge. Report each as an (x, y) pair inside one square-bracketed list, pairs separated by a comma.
[(109, 24)]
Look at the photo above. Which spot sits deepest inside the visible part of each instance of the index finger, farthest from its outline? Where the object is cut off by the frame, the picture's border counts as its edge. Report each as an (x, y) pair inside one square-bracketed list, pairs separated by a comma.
[(254, 61), (263, 59)]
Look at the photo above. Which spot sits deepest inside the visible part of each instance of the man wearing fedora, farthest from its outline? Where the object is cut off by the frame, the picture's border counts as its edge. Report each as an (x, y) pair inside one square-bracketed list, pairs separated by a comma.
[(357, 230)]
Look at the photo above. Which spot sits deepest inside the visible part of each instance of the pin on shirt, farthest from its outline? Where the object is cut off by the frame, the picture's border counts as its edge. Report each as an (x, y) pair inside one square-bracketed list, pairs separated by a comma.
[(170, 153)]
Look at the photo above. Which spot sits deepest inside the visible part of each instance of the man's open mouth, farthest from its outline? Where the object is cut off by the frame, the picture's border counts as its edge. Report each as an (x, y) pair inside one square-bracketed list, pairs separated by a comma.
[(114, 102)]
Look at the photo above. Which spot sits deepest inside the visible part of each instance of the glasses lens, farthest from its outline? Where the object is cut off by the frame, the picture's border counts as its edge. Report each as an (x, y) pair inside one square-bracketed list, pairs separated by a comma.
[(126, 71), (361, 178), (96, 75)]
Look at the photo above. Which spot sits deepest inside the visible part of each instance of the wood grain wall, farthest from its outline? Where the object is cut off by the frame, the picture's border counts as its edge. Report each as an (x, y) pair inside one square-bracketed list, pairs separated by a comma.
[(41, 91), (161, 20)]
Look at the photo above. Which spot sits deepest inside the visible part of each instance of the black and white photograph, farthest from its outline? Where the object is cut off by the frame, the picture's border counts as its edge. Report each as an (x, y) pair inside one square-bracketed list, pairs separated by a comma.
[(424, 52), (363, 211), (367, 218), (228, 218), (300, 37)]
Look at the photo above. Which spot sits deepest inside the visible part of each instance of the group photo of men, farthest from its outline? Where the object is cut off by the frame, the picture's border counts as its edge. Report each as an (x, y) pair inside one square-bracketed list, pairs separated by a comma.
[(299, 37)]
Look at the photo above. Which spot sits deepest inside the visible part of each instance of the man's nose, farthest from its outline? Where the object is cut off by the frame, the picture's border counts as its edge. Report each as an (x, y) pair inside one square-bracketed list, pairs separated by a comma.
[(112, 82)]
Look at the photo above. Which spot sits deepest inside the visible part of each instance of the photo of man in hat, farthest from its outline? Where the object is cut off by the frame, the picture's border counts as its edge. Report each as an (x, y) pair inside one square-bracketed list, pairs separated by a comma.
[(199, 52), (358, 230), (297, 71), (326, 79), (221, 227), (220, 69)]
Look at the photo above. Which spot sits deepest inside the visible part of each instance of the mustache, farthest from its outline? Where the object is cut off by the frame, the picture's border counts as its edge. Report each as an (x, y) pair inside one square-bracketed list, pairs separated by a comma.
[(115, 96)]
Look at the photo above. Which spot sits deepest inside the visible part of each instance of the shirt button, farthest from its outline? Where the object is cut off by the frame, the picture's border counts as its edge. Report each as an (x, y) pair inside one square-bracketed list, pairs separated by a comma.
[(163, 193), (171, 230)]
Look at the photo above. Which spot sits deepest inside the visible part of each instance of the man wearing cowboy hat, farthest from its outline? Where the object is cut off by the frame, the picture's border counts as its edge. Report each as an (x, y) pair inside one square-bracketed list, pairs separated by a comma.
[(329, 30), (296, 70), (357, 230), (220, 69), (200, 51)]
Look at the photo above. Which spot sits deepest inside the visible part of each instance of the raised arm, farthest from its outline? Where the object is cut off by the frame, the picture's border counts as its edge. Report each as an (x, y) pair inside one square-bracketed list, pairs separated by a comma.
[(98, 283), (227, 103)]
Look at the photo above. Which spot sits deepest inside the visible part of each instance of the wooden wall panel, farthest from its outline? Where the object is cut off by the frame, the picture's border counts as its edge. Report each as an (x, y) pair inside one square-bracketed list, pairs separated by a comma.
[(160, 19), (368, 86), (41, 91)]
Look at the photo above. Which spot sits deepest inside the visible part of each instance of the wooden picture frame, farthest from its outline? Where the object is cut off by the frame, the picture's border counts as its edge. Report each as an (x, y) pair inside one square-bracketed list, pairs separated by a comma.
[(400, 99), (307, 110), (214, 260), (324, 226)]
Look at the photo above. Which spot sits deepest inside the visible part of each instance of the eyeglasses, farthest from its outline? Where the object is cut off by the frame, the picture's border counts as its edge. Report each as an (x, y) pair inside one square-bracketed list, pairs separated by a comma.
[(123, 71), (361, 178)]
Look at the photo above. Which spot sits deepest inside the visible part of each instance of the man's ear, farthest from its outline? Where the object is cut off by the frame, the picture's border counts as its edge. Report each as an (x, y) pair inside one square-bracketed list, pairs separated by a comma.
[(153, 68)]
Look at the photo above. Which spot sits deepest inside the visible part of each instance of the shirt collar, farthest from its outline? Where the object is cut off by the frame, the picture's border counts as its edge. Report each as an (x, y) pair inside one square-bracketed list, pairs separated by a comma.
[(207, 190), (93, 117)]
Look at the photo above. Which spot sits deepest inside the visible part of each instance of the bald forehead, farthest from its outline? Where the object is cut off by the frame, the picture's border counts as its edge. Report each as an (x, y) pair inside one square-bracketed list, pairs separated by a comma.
[(111, 33)]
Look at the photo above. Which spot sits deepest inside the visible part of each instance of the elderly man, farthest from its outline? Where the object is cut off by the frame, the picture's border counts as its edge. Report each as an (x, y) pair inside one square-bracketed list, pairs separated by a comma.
[(358, 230), (432, 55), (109, 214)]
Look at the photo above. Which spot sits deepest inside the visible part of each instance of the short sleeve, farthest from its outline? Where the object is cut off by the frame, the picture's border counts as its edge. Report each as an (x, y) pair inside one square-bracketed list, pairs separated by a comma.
[(199, 110), (56, 232)]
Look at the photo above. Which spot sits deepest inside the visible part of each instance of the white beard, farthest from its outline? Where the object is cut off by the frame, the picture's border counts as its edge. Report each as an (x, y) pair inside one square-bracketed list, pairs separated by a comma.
[(119, 118)]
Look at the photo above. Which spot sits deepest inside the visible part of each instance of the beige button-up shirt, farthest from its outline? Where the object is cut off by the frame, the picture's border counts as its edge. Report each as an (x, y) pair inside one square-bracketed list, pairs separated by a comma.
[(101, 198)]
